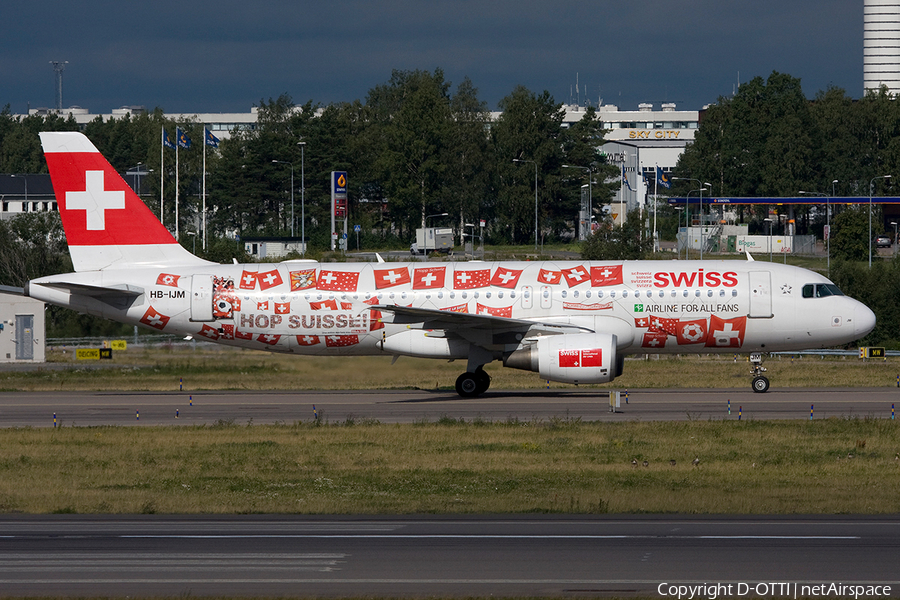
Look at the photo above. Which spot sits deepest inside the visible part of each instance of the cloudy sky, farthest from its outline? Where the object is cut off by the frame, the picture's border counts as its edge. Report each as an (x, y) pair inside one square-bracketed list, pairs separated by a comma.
[(224, 56)]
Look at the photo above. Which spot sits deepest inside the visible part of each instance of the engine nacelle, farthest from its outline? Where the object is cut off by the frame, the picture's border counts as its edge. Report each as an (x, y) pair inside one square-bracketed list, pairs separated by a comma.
[(570, 358)]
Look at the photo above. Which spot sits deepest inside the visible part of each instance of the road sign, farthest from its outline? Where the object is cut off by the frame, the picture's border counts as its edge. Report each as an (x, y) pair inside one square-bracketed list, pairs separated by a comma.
[(357, 228)]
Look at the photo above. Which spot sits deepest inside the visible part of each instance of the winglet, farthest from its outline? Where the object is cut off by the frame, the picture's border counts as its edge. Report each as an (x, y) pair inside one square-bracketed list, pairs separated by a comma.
[(749, 256)]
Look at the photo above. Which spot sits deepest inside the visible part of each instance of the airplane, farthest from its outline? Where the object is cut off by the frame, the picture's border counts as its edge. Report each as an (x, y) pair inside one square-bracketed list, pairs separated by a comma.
[(569, 321)]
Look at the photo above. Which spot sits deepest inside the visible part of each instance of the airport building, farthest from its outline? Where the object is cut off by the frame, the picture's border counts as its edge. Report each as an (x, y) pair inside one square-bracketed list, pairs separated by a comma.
[(881, 45), (21, 329)]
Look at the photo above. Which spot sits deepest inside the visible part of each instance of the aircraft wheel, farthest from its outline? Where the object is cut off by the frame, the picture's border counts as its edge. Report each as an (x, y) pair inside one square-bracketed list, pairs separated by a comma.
[(484, 380), (760, 384), (468, 385)]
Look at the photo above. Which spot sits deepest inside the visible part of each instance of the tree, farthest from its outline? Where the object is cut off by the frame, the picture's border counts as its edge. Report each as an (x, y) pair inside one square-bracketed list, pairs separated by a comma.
[(850, 234), (617, 242)]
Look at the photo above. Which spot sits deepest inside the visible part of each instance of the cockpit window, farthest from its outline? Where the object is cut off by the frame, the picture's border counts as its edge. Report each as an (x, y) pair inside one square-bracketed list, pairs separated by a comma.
[(821, 290)]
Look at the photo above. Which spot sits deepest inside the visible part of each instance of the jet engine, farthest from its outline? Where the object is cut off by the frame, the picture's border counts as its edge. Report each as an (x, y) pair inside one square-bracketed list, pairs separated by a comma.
[(570, 358)]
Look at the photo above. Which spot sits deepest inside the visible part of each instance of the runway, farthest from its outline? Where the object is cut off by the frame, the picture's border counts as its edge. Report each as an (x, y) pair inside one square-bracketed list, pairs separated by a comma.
[(37, 409), (449, 556)]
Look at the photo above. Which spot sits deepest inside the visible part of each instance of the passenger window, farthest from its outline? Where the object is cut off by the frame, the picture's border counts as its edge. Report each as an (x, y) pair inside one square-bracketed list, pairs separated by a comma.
[(734, 293), (721, 293), (564, 294), (625, 294)]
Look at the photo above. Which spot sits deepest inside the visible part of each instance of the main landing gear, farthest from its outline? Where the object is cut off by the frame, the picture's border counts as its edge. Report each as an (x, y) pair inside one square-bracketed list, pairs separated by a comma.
[(760, 383), (473, 383)]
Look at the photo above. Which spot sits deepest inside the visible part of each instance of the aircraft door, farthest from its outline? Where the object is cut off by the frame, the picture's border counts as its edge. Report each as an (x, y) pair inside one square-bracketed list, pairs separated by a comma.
[(760, 294), (201, 298)]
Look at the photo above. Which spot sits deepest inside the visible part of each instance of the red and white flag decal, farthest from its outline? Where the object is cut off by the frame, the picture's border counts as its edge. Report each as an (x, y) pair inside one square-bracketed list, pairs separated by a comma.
[(241, 335), (248, 280), (691, 332), (654, 339), (664, 325), (338, 341), (264, 305), (209, 332), (726, 333), (429, 277), (375, 316), (268, 338), (576, 275), (227, 331), (303, 280), (505, 278), (385, 278), (168, 279), (481, 309), (269, 279), (154, 319), (282, 308), (338, 281), (641, 322), (307, 340), (468, 280), (551, 277), (324, 305), (602, 276)]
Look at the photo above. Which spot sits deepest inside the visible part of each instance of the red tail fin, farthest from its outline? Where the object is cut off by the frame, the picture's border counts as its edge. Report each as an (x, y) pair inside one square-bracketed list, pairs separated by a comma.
[(107, 225)]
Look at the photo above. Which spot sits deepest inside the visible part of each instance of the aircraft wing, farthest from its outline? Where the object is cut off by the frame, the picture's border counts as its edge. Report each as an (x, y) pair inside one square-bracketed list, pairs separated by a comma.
[(454, 322)]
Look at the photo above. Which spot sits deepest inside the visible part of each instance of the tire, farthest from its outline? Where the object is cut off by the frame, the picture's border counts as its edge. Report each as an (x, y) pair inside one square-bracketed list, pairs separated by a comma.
[(467, 385), (760, 384), (484, 381)]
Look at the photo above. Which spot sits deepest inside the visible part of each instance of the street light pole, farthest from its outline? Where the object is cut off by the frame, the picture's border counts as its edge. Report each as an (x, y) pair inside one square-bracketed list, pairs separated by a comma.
[(519, 160), (894, 223), (769, 221), (700, 184), (302, 199), (871, 190)]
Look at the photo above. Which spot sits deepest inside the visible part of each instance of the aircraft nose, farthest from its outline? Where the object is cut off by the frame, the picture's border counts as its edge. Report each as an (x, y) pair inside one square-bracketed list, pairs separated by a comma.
[(863, 320)]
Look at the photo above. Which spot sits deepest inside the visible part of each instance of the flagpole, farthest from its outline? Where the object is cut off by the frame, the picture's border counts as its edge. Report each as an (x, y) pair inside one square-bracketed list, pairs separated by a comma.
[(655, 202), (177, 144), (162, 171), (204, 189)]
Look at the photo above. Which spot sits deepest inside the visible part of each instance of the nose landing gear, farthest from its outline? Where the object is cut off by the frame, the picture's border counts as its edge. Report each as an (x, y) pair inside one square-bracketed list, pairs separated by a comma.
[(760, 383)]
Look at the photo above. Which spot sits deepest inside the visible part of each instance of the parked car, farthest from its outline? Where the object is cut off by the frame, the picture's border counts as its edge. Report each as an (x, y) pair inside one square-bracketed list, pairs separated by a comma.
[(883, 241)]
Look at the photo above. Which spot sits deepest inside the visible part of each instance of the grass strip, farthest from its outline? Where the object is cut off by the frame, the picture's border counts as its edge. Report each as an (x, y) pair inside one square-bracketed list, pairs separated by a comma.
[(451, 466)]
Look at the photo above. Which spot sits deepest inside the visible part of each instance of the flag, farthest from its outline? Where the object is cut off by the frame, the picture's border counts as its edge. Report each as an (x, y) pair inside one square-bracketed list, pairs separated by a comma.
[(211, 140), (602, 276), (551, 277), (575, 275), (302, 280), (505, 278), (459, 308), (307, 340), (691, 332), (375, 316), (324, 305), (338, 341), (625, 178), (167, 142), (168, 279), (654, 339), (481, 309), (662, 178), (263, 305), (248, 280), (468, 280), (154, 319), (268, 338), (282, 308), (183, 140), (429, 277), (240, 335), (227, 331), (338, 281), (385, 278), (641, 322), (269, 279), (209, 332), (726, 333), (664, 325)]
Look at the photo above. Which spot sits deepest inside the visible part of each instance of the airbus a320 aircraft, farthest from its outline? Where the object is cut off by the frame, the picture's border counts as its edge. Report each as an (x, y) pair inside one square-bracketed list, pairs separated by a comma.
[(571, 322)]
